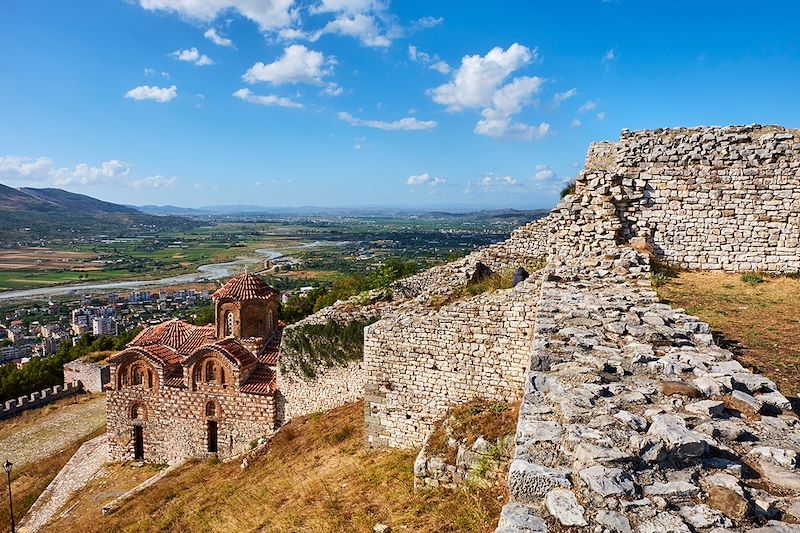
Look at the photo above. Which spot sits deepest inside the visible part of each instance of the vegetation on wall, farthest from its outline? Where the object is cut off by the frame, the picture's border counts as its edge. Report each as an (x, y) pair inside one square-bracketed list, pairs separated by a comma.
[(568, 189), (300, 306), (309, 346), (40, 373)]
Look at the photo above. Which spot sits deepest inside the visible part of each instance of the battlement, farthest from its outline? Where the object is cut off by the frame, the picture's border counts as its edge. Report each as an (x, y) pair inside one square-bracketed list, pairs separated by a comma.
[(37, 399)]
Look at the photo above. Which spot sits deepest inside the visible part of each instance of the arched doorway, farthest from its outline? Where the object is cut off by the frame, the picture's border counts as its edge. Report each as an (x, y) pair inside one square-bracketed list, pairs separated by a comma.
[(211, 427), (137, 417)]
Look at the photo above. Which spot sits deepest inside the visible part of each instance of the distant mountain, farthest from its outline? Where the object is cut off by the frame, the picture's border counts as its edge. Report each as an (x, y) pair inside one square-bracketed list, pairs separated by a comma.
[(162, 210), (29, 215)]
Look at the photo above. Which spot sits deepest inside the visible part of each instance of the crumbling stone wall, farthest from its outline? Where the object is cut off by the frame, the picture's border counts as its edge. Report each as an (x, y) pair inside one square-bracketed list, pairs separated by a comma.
[(418, 364), (704, 198), (634, 420), (91, 376), (37, 399), (331, 387)]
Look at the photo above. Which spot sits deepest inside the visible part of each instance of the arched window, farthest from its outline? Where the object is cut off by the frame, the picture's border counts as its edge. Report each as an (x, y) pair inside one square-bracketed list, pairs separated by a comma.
[(211, 409), (211, 371), (270, 323), (221, 376), (137, 411), (149, 379), (228, 324), (136, 375)]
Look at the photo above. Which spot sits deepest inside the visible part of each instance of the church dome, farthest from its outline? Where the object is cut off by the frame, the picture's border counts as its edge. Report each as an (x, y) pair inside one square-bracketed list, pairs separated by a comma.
[(245, 287)]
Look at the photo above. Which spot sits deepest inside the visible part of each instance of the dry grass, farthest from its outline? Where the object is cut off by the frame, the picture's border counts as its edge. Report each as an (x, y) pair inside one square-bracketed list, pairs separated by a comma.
[(314, 476), (29, 481), (760, 322), (33, 417), (467, 422)]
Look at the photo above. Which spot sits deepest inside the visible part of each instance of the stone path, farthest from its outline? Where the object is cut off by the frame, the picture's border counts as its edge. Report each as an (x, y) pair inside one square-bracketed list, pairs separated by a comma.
[(83, 466), (46, 437)]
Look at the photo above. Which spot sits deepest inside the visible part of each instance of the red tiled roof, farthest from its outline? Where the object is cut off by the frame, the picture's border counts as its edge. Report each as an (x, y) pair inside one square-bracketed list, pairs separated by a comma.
[(261, 381), (171, 333), (201, 336), (245, 287), (161, 355), (175, 378), (233, 350), (269, 355)]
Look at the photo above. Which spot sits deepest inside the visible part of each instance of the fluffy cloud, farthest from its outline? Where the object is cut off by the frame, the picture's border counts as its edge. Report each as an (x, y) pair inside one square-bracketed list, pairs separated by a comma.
[(492, 183), (153, 182), (423, 179), (575, 123), (404, 124), (478, 77), (433, 62), (24, 170), (148, 92), (566, 95), (268, 100), (427, 22), (543, 173), (16, 168), (347, 6), (191, 55), (268, 14), (362, 27), (298, 64), (480, 82), (212, 35)]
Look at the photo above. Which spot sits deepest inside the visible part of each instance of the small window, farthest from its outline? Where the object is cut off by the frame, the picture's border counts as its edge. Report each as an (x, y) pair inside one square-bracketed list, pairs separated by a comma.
[(211, 371), (228, 324), (211, 409), (149, 379), (222, 376), (136, 375)]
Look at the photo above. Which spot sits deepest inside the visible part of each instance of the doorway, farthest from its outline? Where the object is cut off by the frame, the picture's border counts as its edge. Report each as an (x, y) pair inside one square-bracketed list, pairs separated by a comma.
[(212, 436), (138, 443)]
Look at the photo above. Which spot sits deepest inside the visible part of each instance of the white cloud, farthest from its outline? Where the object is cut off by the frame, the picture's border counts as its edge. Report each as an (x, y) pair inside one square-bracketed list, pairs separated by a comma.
[(434, 62), (610, 55), (149, 72), (298, 64), (290, 34), (15, 167), (588, 106), (347, 6), (212, 35), (543, 173), (425, 179), (491, 183), (478, 78), (362, 27), (268, 100), (153, 182), (191, 55), (268, 14), (479, 83), (404, 124), (601, 115), (562, 97), (575, 123), (427, 22), (148, 92)]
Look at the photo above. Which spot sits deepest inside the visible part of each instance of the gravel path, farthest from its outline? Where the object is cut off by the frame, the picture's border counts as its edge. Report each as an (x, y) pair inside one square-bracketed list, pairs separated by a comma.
[(83, 466), (53, 433)]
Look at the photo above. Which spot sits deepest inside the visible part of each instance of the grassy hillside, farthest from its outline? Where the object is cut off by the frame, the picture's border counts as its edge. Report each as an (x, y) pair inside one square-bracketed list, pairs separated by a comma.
[(29, 215), (755, 316), (314, 476)]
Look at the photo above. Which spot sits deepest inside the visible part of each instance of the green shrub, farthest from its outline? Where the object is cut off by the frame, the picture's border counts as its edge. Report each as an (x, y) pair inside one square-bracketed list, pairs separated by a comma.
[(658, 279), (329, 344), (752, 278), (569, 188)]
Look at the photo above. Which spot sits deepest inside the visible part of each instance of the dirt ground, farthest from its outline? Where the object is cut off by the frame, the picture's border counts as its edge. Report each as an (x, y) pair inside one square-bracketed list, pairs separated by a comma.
[(45, 259)]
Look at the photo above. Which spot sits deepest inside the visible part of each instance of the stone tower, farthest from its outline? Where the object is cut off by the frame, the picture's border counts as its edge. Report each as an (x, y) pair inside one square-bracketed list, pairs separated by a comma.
[(246, 308)]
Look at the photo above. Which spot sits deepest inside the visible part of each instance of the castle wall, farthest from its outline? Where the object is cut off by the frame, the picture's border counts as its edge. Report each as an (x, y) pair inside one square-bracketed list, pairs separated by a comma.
[(332, 386), (174, 422), (91, 376), (419, 365), (704, 198), (37, 399)]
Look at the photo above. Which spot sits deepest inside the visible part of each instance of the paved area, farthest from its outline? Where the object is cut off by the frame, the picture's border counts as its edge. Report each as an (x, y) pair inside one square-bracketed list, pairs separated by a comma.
[(49, 435), (83, 466)]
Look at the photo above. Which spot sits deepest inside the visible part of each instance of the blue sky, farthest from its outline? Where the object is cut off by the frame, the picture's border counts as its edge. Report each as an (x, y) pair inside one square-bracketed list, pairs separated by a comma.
[(367, 102)]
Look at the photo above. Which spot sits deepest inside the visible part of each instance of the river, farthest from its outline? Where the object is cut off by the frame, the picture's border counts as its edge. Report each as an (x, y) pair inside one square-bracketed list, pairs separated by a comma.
[(210, 272)]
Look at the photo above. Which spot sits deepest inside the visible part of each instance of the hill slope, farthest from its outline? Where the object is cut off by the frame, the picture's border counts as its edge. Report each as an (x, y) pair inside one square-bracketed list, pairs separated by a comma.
[(29, 215), (315, 475)]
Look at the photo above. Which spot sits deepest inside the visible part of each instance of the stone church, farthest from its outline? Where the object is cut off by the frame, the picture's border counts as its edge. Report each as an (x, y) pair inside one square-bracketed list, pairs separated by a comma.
[(179, 390)]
